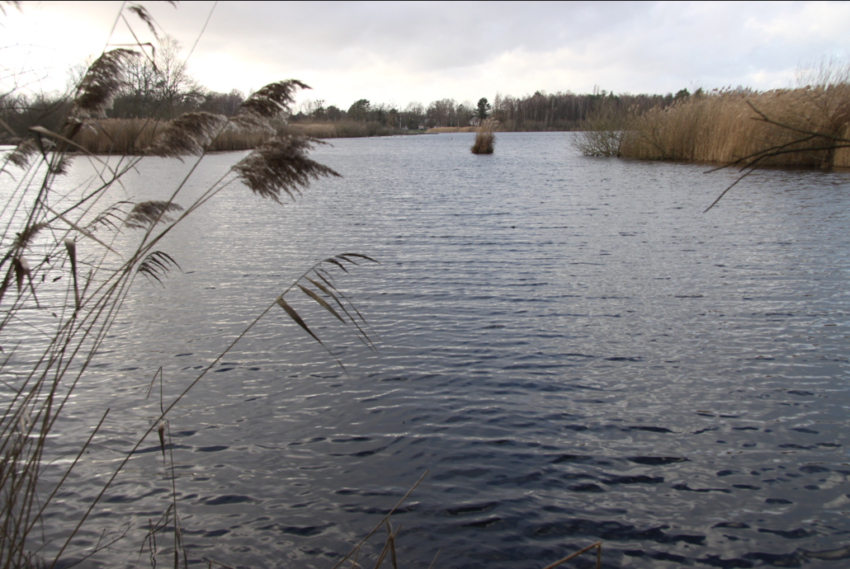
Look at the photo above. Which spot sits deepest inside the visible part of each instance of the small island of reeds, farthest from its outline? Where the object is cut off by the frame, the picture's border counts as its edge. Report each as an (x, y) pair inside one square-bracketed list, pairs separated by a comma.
[(485, 139)]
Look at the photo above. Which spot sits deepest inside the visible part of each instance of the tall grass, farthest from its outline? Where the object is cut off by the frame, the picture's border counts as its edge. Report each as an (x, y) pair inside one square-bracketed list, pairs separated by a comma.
[(441, 129), (342, 129), (62, 276), (485, 139), (135, 136), (727, 126)]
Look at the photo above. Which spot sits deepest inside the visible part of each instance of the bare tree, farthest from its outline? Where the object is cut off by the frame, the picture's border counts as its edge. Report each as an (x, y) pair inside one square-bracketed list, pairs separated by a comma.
[(158, 86)]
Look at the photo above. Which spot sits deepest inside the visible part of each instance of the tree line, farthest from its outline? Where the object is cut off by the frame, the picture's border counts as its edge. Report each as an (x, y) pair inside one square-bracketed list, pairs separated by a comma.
[(540, 111), (158, 85)]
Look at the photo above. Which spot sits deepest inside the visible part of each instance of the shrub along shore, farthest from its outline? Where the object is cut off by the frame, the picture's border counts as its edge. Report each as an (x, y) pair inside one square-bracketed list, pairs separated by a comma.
[(134, 136), (805, 127)]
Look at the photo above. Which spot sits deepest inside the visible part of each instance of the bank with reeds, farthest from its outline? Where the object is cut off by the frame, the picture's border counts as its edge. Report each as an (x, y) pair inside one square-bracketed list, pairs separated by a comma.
[(803, 127), (134, 136)]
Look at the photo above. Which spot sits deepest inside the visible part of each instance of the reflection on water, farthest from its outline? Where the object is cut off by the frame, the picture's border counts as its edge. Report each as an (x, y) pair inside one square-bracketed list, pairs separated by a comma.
[(570, 347)]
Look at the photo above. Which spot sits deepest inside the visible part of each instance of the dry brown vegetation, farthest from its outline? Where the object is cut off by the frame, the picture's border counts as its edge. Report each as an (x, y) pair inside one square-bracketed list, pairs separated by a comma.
[(440, 129), (341, 129), (784, 127), (485, 139), (135, 136), (728, 126)]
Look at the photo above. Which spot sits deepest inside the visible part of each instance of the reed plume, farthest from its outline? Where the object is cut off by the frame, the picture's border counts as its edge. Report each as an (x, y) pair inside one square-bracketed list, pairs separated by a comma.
[(101, 83), (145, 214), (281, 165), (191, 134)]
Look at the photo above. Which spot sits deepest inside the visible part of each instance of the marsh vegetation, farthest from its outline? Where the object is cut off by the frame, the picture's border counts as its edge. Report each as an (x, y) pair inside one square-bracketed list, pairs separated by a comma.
[(485, 140), (72, 255), (542, 357), (806, 126)]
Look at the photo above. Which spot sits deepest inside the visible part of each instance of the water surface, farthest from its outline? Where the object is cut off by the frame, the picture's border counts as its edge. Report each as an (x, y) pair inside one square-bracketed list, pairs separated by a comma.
[(570, 347)]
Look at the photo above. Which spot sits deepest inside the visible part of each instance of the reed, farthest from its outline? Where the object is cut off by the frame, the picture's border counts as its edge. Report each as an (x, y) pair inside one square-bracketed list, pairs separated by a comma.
[(727, 126), (61, 275), (130, 137), (485, 139), (134, 136), (342, 129), (442, 129)]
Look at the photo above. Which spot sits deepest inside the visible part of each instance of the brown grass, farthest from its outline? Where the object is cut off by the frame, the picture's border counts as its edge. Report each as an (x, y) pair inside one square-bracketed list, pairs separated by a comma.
[(726, 126), (134, 136), (485, 139), (343, 129), (439, 129)]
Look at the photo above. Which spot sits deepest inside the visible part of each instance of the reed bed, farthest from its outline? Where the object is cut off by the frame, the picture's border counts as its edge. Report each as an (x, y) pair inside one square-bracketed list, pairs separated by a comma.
[(342, 129), (135, 137), (725, 127), (440, 129), (485, 139)]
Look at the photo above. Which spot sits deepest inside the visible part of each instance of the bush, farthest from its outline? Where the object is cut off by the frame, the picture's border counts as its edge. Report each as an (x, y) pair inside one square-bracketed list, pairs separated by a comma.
[(603, 132)]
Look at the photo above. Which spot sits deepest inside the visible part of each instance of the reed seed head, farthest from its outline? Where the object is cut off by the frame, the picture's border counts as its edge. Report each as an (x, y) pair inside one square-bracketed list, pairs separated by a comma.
[(272, 101), (281, 165), (101, 83), (145, 214), (191, 133)]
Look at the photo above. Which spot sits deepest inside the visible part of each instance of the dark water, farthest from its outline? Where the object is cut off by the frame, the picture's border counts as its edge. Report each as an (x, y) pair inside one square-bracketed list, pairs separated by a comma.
[(568, 345)]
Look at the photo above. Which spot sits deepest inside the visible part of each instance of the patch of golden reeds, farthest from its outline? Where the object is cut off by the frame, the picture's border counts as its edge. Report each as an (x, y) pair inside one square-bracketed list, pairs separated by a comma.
[(485, 139), (341, 129), (440, 129), (135, 136), (726, 126)]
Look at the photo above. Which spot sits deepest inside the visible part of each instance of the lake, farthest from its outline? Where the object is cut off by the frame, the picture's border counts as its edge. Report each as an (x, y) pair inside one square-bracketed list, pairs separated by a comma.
[(569, 346)]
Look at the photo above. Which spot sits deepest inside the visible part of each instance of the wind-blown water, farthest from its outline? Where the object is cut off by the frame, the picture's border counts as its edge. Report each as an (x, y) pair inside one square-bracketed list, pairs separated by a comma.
[(569, 345)]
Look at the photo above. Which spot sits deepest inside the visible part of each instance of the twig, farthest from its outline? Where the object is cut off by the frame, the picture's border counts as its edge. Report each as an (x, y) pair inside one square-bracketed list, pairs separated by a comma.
[(598, 545), (362, 541)]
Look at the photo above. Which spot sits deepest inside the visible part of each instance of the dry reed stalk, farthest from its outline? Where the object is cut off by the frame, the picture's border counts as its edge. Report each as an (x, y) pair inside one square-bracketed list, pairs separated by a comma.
[(484, 139), (597, 546), (49, 234), (355, 552), (135, 136)]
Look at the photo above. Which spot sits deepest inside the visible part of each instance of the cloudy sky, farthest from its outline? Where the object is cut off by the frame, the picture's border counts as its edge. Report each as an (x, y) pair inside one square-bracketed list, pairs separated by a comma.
[(398, 53)]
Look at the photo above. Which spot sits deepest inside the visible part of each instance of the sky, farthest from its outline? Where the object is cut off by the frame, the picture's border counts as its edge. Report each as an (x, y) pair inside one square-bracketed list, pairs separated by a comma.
[(397, 53)]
